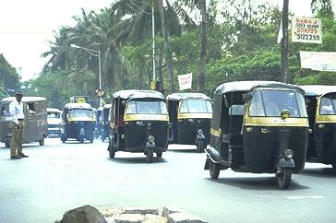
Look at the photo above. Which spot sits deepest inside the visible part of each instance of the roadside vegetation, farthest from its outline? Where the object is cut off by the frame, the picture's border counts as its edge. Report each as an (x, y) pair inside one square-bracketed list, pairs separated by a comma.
[(240, 39)]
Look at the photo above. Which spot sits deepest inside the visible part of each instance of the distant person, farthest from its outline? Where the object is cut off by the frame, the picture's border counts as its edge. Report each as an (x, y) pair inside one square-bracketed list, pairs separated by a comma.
[(16, 112)]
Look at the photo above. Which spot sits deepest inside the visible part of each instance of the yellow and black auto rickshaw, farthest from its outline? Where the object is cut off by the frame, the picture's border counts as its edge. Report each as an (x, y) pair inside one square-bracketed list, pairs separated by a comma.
[(258, 127), (321, 108), (189, 115), (139, 123), (78, 122), (36, 126)]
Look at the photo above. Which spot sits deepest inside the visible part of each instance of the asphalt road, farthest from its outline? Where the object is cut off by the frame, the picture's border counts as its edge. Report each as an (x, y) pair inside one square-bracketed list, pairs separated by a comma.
[(58, 177)]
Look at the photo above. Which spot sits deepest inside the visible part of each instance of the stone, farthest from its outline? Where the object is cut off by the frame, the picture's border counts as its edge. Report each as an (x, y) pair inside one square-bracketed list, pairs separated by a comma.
[(142, 211), (179, 217), (170, 210), (129, 218), (84, 214), (150, 218)]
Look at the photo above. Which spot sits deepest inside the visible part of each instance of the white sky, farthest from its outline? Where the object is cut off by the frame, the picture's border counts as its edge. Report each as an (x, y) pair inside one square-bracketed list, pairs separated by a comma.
[(26, 27)]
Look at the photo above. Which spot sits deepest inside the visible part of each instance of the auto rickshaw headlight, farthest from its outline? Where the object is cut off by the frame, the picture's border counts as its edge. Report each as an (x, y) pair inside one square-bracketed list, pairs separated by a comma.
[(200, 132), (321, 126), (288, 153), (151, 138), (248, 129)]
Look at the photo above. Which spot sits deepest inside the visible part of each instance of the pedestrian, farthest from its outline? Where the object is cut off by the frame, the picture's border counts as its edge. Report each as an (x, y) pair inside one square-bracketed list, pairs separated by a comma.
[(16, 112)]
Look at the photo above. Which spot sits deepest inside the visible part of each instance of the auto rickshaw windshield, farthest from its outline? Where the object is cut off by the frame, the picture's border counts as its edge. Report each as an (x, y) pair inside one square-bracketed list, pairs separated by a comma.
[(80, 113), (195, 106), (146, 107), (328, 105), (272, 102)]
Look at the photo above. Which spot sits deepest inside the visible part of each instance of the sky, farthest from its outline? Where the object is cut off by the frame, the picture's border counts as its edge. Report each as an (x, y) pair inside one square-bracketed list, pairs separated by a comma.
[(26, 27)]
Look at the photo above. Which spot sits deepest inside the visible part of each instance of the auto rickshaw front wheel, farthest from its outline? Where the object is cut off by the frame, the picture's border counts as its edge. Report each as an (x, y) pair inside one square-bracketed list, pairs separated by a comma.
[(149, 156), (214, 169), (41, 142), (284, 178)]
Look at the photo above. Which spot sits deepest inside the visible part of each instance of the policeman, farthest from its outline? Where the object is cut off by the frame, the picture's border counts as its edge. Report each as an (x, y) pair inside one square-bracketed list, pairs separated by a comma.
[(16, 112)]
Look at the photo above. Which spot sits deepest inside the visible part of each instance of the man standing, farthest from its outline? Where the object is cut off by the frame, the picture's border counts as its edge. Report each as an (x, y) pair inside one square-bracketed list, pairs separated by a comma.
[(16, 111)]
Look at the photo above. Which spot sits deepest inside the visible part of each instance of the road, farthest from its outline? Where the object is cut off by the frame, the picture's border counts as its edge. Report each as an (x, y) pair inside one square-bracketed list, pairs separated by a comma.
[(58, 177)]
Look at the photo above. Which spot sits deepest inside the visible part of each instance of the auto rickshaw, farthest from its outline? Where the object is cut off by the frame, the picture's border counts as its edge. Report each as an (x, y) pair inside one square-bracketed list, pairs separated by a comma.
[(78, 122), (321, 108), (54, 119), (258, 127), (36, 127), (189, 115), (139, 123), (105, 128)]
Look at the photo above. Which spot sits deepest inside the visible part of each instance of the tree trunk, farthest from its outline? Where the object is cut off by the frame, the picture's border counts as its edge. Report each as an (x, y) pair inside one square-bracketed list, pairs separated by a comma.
[(166, 47), (284, 42), (201, 76)]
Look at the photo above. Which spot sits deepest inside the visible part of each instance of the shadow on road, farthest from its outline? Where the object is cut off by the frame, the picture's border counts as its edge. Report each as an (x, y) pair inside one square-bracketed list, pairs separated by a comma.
[(183, 150), (320, 172), (136, 160), (257, 183)]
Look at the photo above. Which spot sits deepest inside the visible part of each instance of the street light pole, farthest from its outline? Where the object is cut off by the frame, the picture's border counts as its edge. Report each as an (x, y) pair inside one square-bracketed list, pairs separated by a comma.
[(95, 53), (153, 39)]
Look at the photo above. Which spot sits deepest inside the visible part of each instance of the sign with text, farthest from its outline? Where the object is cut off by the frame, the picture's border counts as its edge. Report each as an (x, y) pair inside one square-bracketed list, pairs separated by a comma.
[(185, 81), (306, 30), (320, 61)]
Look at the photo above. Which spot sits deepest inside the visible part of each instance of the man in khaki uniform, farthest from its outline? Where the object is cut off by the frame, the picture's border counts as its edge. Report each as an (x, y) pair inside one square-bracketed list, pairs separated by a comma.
[(16, 111)]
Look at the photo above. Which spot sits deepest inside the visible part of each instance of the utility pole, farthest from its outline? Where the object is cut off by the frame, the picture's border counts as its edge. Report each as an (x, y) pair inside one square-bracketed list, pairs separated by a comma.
[(153, 43), (284, 42)]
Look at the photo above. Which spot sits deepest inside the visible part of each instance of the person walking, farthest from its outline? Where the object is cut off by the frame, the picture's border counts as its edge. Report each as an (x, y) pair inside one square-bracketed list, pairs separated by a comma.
[(17, 114)]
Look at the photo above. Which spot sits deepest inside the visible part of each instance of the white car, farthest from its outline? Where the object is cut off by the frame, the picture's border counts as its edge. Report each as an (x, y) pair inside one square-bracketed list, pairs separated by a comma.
[(54, 120)]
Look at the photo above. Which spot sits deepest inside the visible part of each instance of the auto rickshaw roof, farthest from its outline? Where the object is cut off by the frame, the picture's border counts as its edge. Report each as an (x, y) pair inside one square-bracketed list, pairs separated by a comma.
[(24, 99), (181, 96), (77, 106), (138, 94), (246, 86), (318, 90), (53, 110)]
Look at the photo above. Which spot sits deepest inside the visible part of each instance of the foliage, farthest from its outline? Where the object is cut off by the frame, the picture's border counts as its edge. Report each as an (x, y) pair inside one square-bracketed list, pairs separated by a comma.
[(241, 45), (9, 78)]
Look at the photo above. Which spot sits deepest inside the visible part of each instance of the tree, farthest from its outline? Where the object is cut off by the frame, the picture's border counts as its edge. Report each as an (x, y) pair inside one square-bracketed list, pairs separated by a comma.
[(9, 78)]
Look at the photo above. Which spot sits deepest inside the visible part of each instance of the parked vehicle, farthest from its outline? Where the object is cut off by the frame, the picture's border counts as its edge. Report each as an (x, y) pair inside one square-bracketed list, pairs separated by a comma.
[(105, 128), (189, 115), (139, 123), (54, 120), (36, 128), (258, 127), (321, 108), (78, 122)]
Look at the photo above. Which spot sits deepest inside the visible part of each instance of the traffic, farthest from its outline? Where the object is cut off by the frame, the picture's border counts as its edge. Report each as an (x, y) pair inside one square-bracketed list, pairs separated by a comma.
[(247, 126)]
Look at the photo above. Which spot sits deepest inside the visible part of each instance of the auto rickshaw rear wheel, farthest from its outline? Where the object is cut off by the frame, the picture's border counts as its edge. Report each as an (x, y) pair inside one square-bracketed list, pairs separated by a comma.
[(7, 143), (214, 169), (284, 178), (159, 154), (41, 142), (149, 156), (334, 165), (111, 154)]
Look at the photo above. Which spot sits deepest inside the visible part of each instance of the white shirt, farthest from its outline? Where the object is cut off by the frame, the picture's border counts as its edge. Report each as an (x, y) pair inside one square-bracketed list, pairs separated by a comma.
[(16, 110)]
